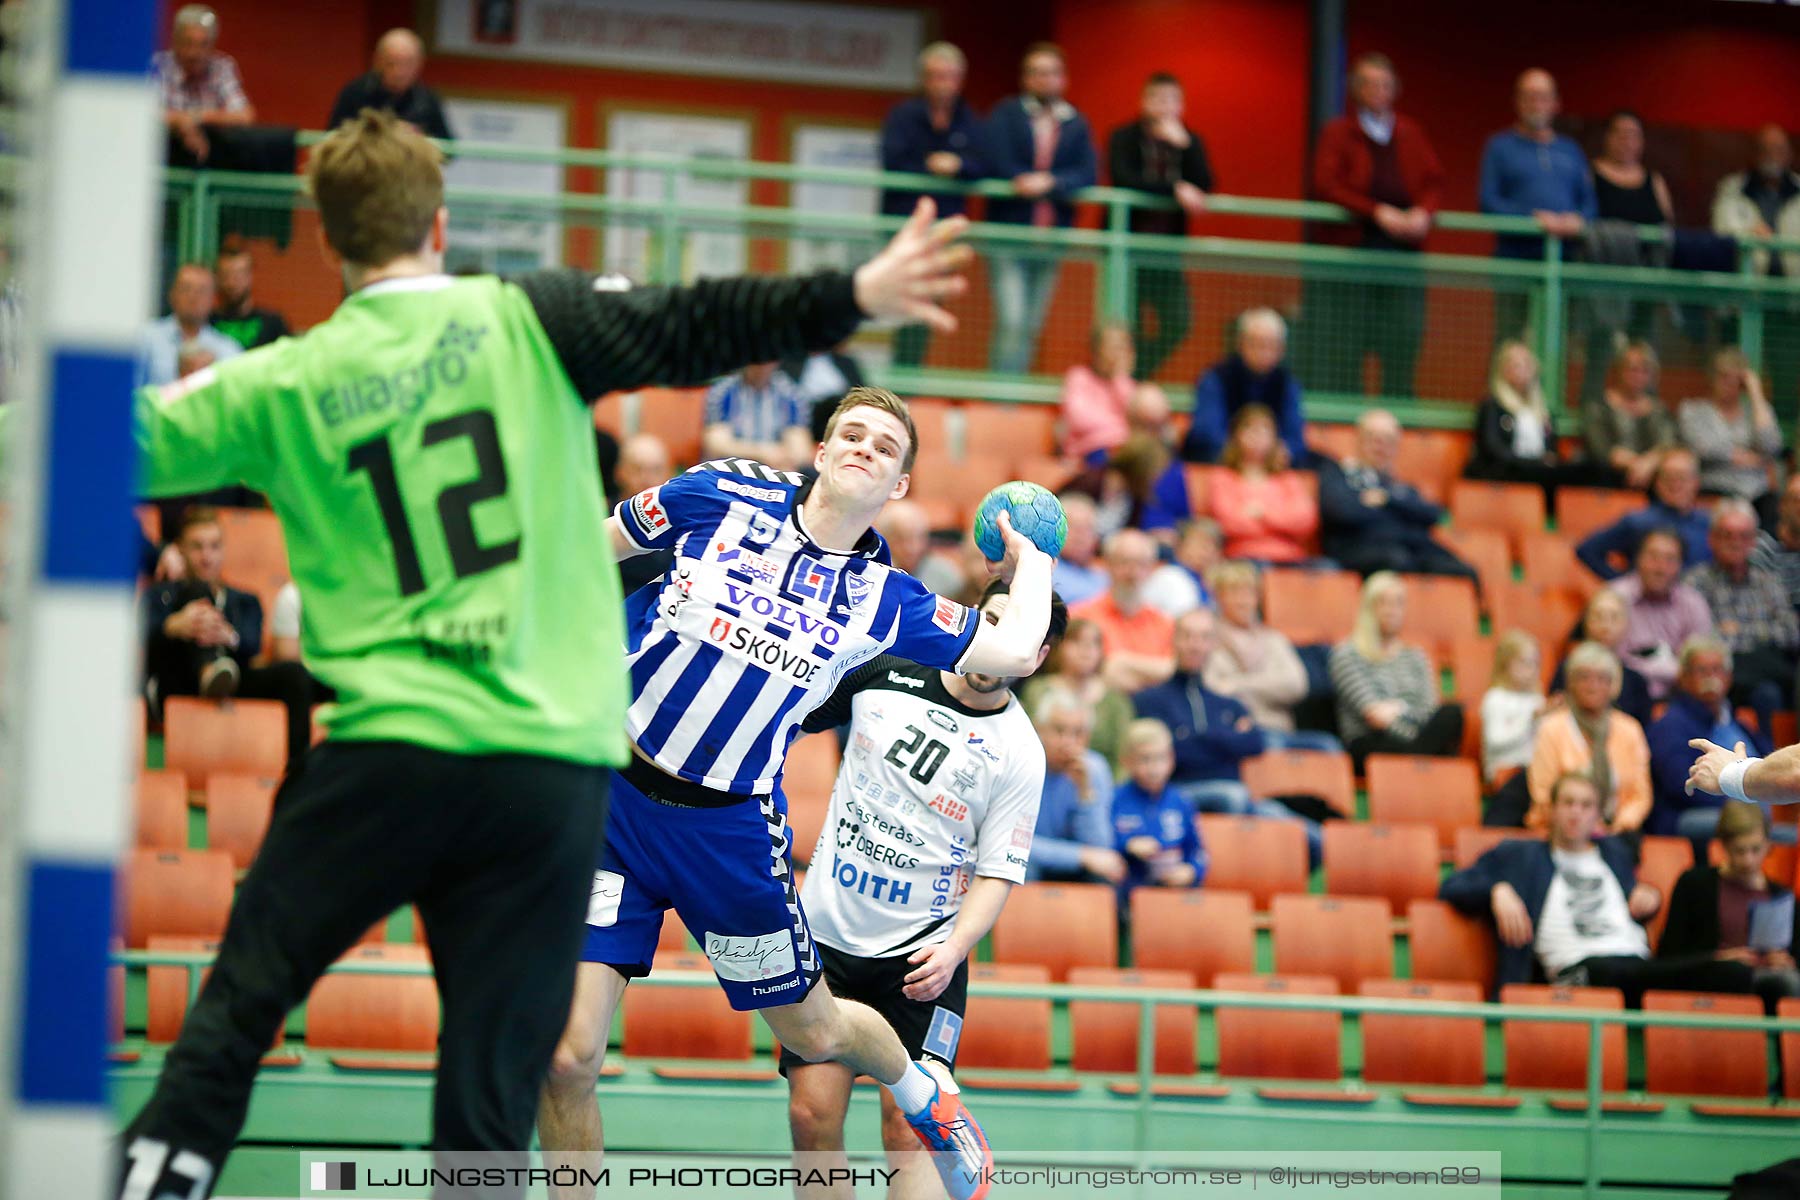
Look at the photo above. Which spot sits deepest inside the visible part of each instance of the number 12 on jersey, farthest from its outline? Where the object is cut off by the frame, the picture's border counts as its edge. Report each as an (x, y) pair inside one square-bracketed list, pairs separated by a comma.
[(454, 504)]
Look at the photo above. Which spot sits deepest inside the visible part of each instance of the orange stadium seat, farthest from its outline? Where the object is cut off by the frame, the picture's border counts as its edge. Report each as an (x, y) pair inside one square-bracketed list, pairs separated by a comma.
[(1582, 510), (677, 416), (238, 808), (1440, 610), (1547, 614), (1322, 773), (1105, 1036), (375, 1012), (1472, 843), (161, 821), (609, 414), (1006, 1033), (1059, 926), (1026, 428), (1550, 562), (1661, 860), (1789, 1010), (1444, 793), (1432, 460), (1705, 1062), (812, 766), (166, 989), (1311, 606), (176, 892), (255, 554), (1552, 1054), (246, 737), (1485, 550), (931, 417), (1346, 937), (1336, 442), (683, 1022), (1401, 1048), (673, 936), (1398, 863), (1271, 1044), (1514, 509), (1045, 469), (1264, 856), (1199, 930), (1446, 945)]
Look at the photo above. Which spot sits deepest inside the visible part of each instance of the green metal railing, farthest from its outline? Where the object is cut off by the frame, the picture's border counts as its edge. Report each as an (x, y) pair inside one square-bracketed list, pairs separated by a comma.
[(1217, 276), (1148, 1000)]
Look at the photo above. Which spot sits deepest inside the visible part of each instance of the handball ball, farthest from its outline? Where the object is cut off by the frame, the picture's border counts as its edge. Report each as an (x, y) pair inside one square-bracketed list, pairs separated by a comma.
[(1036, 513)]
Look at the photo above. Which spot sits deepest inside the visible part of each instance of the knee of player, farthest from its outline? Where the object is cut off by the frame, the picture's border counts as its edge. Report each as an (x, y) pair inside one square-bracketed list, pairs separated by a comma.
[(814, 1126), (896, 1133), (577, 1060), (817, 1041)]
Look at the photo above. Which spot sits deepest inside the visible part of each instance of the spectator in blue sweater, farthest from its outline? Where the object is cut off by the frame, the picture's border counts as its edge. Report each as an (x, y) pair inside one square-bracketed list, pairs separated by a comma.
[(1212, 734), (1045, 149), (1073, 838), (1530, 170), (1674, 490), (932, 133), (1152, 827), (1699, 707), (1257, 373)]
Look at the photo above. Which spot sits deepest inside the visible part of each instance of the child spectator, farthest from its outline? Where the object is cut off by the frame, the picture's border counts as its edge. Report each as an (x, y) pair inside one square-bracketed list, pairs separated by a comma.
[(1511, 707), (1152, 827)]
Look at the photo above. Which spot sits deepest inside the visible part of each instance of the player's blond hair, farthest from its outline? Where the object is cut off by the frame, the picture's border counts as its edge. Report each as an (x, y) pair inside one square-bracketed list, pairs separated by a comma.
[(378, 183), (887, 402)]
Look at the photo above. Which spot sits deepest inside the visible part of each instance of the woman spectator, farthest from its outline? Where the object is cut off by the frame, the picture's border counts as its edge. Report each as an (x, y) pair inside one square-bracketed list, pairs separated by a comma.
[(1387, 693), (1629, 428), (1266, 512), (1515, 440), (1626, 193), (1588, 735), (1139, 486), (1096, 399), (1733, 433), (1075, 669), (1604, 621), (1511, 707), (1256, 665), (1625, 189), (1073, 838), (1714, 910)]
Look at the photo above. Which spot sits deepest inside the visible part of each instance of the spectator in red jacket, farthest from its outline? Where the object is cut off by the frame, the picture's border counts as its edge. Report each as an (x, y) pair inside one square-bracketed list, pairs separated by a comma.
[(1379, 165)]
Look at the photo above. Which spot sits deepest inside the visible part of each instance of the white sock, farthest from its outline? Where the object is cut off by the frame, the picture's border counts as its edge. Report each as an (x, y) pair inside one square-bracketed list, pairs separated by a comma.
[(915, 1090)]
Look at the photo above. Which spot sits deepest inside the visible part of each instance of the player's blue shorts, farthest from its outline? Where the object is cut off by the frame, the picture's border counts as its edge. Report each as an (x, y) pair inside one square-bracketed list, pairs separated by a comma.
[(728, 874)]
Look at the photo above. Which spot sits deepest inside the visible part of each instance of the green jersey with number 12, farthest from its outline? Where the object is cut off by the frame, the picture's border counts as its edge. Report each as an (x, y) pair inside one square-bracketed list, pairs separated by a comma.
[(435, 475)]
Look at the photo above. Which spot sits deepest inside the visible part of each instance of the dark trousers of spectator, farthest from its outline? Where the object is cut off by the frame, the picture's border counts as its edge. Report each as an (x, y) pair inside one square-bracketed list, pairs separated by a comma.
[(1347, 321), (176, 672), (1509, 804), (1440, 735), (1547, 475), (910, 344), (497, 851), (1424, 557), (1635, 976), (1162, 293), (1762, 679)]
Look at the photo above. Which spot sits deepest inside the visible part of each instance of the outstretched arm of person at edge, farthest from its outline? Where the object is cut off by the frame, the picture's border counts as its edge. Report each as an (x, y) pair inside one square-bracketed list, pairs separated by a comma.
[(1010, 646), (1731, 773)]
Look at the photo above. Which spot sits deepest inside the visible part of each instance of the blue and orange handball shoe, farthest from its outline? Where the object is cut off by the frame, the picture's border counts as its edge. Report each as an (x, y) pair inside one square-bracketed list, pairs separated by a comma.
[(959, 1150)]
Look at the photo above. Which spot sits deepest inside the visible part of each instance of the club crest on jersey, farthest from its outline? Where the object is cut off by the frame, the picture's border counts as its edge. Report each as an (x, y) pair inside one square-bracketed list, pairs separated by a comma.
[(950, 616), (647, 507), (856, 590)]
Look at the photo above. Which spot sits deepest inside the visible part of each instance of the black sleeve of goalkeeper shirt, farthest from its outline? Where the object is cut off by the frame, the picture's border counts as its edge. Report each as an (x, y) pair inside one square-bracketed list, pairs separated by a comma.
[(611, 337)]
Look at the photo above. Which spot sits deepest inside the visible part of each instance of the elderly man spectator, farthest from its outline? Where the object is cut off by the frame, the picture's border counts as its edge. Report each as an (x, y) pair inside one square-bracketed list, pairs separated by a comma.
[(758, 414), (1139, 639), (1181, 586), (1213, 733), (237, 316), (1044, 148), (1661, 612), (1255, 373), (393, 84), (1750, 611), (907, 530), (1380, 165), (1764, 201), (201, 636), (1780, 551), (1674, 496), (643, 464), (1073, 838), (1157, 153), (199, 85), (1079, 576), (1530, 170), (1371, 521), (190, 313), (1699, 707), (932, 133)]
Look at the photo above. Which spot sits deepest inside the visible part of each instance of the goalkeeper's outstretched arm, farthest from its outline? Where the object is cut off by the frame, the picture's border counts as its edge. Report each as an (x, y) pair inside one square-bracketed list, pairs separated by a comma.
[(1729, 773)]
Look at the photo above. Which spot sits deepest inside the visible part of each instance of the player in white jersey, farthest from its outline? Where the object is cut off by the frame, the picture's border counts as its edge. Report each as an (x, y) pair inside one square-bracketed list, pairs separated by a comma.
[(929, 829), (779, 589)]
